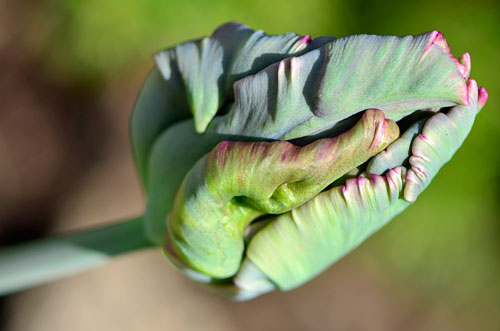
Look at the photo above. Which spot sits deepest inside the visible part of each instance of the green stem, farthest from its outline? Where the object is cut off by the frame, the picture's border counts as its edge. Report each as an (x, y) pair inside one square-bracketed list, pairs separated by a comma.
[(33, 263)]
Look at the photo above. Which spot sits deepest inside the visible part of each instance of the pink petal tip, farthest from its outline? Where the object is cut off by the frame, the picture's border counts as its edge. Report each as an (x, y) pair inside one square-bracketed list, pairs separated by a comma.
[(482, 97), (466, 62), (305, 40), (437, 38)]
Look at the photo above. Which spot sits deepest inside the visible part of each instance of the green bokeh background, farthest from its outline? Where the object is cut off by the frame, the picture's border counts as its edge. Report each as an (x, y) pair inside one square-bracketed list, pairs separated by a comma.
[(447, 245)]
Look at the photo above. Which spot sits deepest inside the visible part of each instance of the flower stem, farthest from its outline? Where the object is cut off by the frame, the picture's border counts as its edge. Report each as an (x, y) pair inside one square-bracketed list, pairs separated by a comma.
[(30, 264)]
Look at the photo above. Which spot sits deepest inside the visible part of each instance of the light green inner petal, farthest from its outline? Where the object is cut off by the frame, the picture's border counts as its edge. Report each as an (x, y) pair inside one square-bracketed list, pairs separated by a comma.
[(237, 182)]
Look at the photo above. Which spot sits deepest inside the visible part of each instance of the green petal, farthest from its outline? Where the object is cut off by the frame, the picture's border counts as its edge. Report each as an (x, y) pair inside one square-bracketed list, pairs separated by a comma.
[(237, 182), (307, 94), (211, 65), (300, 244)]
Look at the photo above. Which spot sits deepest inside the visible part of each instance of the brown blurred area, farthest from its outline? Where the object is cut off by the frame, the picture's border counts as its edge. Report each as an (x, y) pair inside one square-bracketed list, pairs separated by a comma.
[(65, 163), (45, 141), (58, 138)]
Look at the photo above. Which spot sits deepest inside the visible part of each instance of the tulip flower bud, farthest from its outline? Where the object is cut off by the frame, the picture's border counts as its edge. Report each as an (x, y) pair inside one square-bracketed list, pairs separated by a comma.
[(265, 159)]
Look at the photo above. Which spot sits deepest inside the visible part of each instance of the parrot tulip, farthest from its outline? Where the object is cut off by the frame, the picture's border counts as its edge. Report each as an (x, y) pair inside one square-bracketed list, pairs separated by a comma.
[(265, 159)]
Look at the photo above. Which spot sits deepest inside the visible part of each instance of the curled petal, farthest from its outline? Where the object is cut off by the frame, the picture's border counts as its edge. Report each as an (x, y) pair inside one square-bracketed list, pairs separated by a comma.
[(237, 182), (441, 137)]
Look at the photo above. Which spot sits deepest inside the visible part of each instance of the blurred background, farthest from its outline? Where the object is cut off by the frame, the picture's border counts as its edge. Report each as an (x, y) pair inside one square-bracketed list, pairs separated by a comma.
[(70, 72)]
